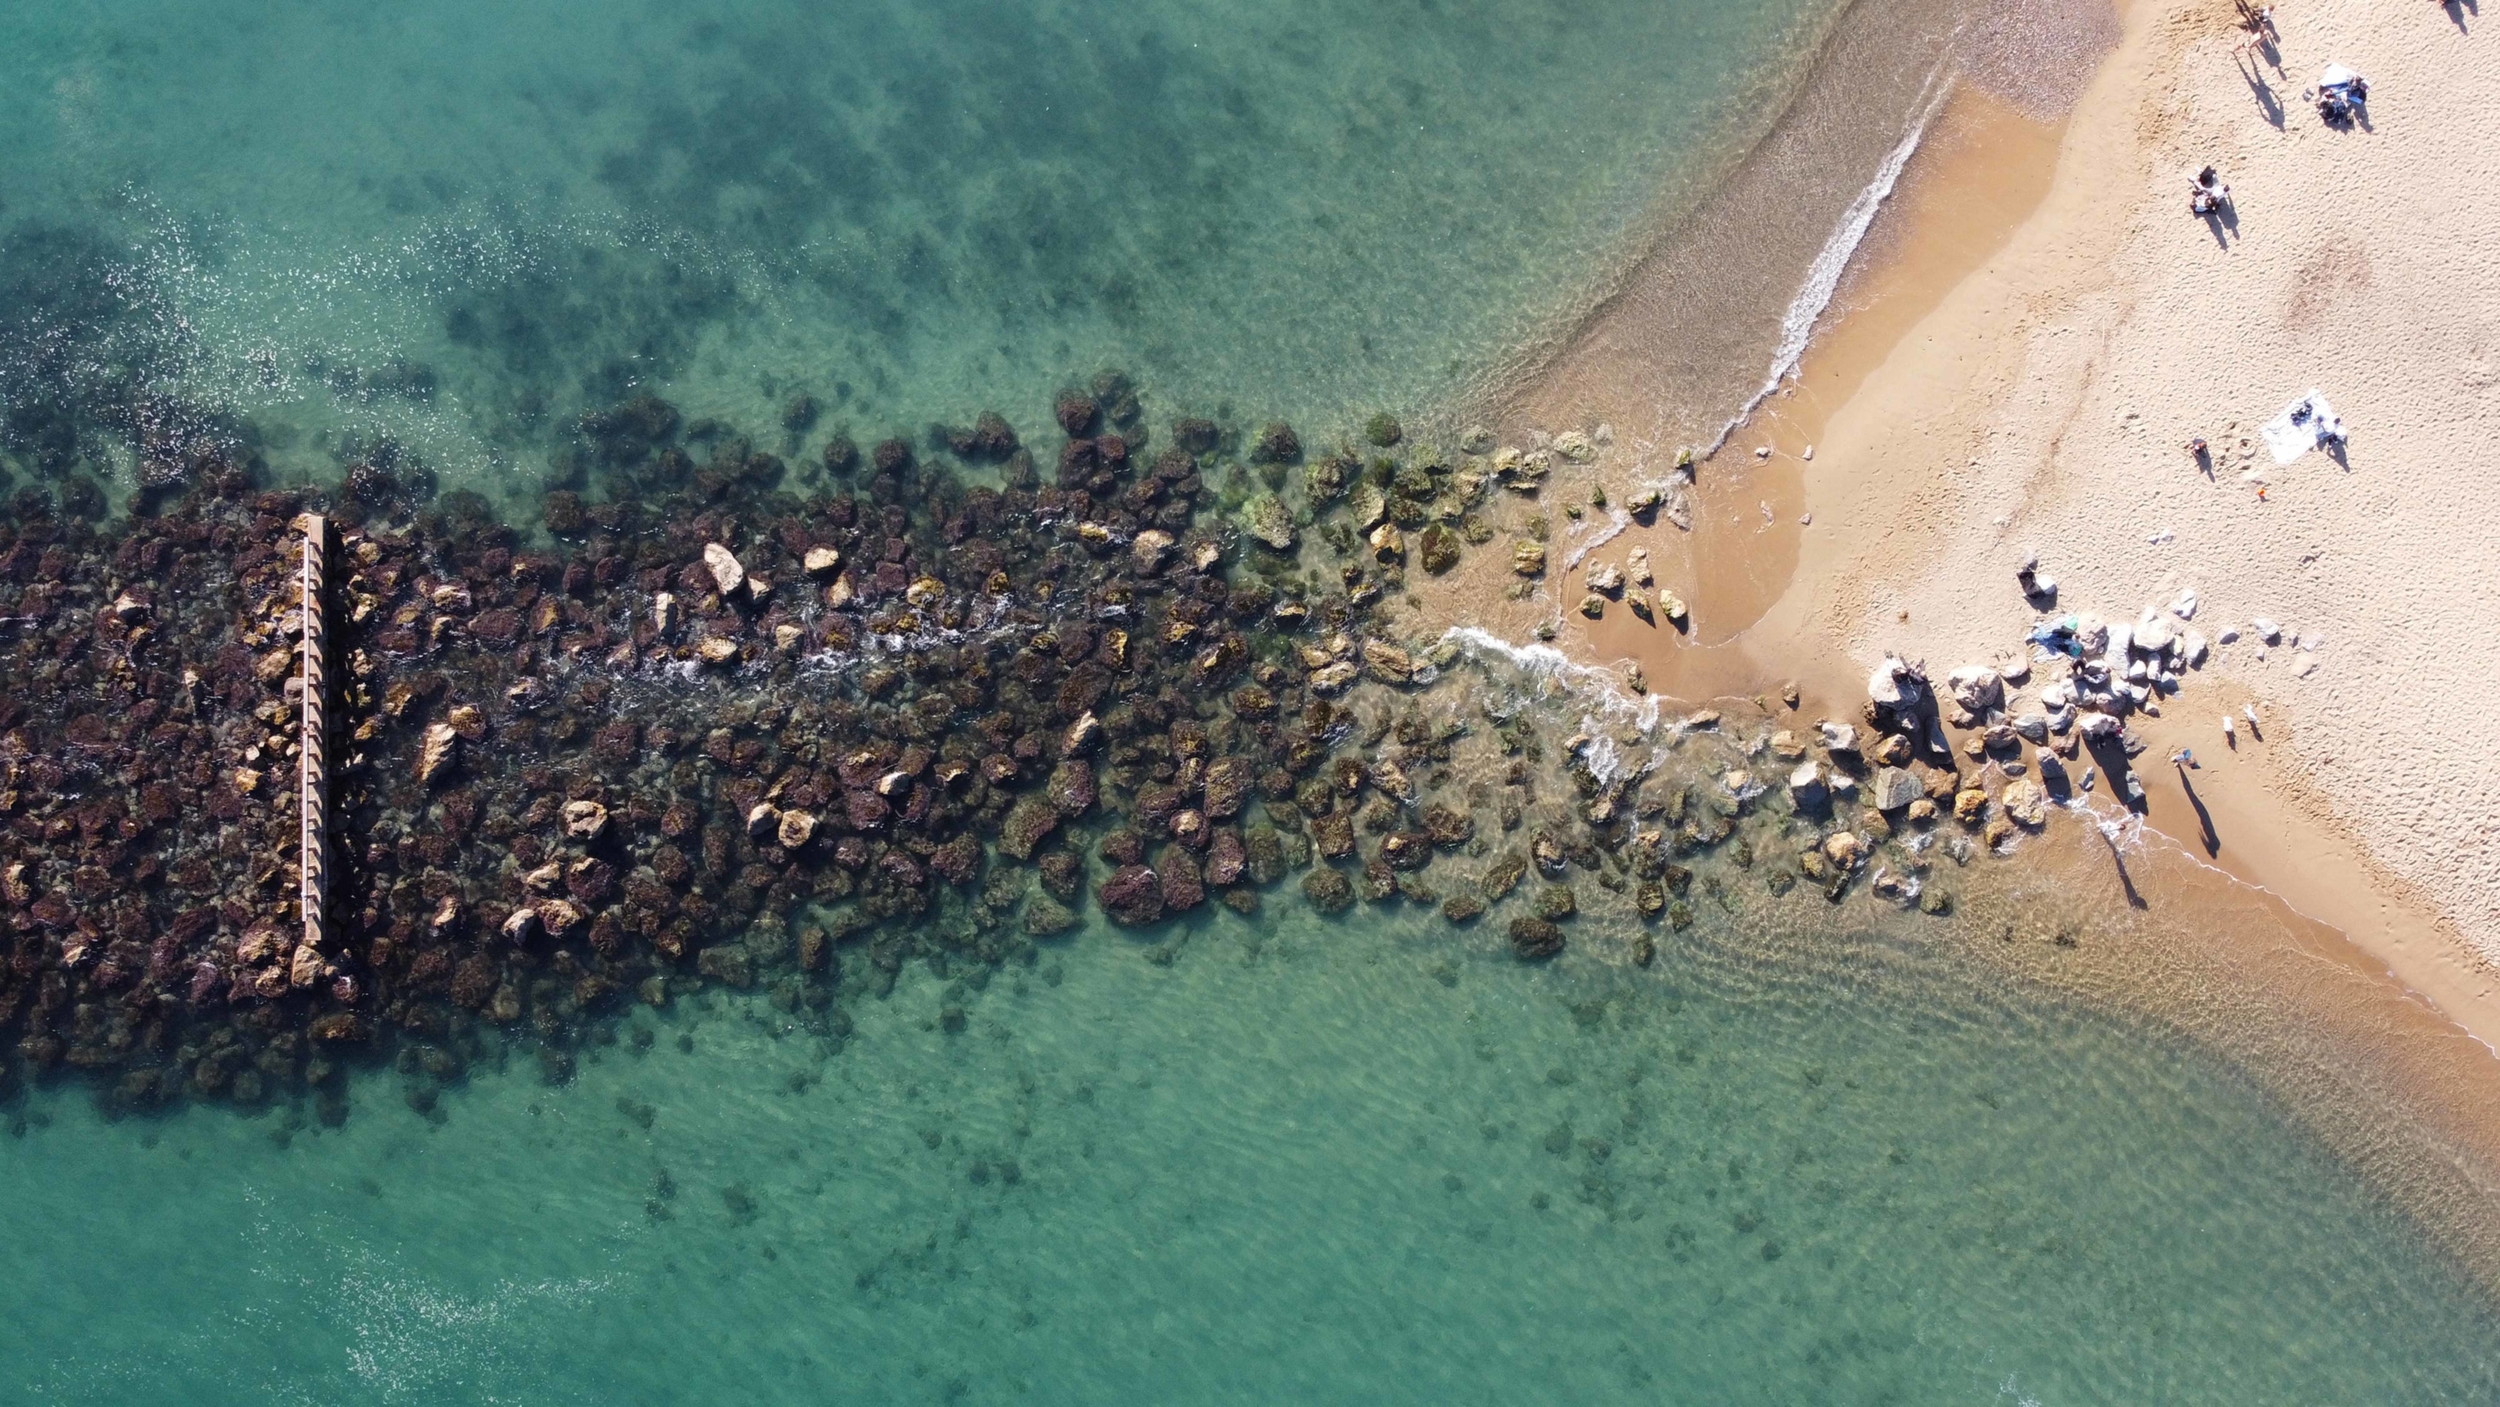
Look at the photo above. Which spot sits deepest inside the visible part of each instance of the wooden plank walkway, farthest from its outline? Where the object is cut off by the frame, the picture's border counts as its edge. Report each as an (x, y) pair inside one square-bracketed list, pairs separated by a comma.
[(313, 787)]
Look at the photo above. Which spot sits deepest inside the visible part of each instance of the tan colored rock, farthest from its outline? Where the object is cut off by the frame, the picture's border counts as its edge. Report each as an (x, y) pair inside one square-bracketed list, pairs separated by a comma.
[(2026, 801), (466, 720), (584, 820), (821, 561), (1528, 559), (1842, 848), (726, 573), (1149, 549), (795, 829), (664, 613), (1893, 789), (517, 924), (717, 650), (558, 917), (436, 751), (1387, 662), (1081, 734)]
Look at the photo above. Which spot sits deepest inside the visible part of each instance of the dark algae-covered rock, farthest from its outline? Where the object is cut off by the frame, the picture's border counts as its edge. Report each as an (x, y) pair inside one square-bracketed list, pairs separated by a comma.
[(699, 701), (1328, 889), (1533, 939)]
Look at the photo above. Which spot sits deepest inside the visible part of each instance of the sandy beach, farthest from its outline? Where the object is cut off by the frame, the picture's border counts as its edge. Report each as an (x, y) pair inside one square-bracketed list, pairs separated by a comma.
[(2031, 335), (2045, 403)]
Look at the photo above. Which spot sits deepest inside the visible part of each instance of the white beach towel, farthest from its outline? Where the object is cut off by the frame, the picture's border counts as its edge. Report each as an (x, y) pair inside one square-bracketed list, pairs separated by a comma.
[(2289, 441)]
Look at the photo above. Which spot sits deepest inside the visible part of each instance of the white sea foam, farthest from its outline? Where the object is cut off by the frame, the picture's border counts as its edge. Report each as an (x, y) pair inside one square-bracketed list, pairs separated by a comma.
[(1547, 672), (1616, 521), (1823, 275)]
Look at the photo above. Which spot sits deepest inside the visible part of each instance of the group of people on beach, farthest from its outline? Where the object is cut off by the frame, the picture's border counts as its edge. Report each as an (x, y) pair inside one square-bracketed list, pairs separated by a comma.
[(2207, 193)]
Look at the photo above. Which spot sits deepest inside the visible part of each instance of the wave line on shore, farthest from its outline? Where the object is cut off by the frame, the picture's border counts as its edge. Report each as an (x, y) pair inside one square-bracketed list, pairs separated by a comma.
[(1822, 280)]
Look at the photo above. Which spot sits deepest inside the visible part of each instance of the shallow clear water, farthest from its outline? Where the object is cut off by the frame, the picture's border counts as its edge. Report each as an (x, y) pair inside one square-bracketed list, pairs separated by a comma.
[(1298, 1160), (457, 224), (1287, 1158)]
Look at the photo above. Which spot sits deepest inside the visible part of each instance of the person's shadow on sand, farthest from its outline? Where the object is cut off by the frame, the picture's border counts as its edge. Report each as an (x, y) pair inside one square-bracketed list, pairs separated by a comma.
[(2204, 818), (2223, 222), (2268, 105)]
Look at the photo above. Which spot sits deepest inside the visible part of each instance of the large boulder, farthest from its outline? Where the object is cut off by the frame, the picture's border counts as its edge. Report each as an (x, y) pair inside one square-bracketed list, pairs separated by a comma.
[(1894, 684), (1976, 687), (1227, 786), (1328, 889), (1894, 788), (1045, 917), (1071, 788), (1183, 889), (1029, 822), (1533, 939), (1132, 896), (2026, 801), (1227, 859), (1805, 786), (1388, 663), (1266, 518), (1406, 850), (1440, 549)]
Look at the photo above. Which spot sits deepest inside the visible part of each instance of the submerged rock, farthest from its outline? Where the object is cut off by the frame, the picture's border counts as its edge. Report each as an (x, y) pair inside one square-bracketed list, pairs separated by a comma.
[(1328, 889), (1534, 939), (435, 754), (1266, 518), (1133, 896)]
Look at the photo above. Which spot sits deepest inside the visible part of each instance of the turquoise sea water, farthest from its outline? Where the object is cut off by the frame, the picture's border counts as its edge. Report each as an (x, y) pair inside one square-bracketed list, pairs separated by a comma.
[(1801, 1158), (455, 224), (1289, 1160)]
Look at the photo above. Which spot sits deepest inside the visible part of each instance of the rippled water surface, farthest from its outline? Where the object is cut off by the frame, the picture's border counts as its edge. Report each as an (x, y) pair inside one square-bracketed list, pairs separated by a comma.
[(1285, 1160), (456, 224), (1278, 1158)]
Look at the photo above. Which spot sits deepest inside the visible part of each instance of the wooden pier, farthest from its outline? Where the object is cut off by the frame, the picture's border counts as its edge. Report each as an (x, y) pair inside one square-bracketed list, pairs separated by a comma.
[(313, 786)]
